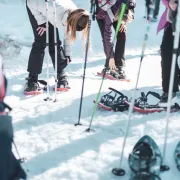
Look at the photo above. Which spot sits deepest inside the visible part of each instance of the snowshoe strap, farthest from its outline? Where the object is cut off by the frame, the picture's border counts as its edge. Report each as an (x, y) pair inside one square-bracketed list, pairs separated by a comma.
[(142, 101), (116, 102), (4, 106), (43, 82), (121, 94), (154, 94)]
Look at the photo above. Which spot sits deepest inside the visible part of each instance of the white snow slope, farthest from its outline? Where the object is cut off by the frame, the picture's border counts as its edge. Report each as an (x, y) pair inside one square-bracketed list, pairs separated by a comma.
[(44, 131)]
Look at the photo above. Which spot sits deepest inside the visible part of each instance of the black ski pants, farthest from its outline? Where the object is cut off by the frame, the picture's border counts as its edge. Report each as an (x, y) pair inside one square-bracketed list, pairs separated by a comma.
[(38, 48), (166, 55), (157, 7), (120, 43)]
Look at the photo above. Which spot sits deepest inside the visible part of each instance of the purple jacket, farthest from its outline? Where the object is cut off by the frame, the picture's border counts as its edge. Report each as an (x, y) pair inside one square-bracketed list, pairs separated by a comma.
[(163, 21), (107, 31)]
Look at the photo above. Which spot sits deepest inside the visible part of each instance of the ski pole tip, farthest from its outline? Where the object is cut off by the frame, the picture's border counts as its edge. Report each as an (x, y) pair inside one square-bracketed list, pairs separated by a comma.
[(118, 172), (164, 168)]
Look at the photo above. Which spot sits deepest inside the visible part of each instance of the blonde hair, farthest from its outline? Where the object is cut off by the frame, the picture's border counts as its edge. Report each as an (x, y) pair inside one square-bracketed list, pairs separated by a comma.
[(77, 18)]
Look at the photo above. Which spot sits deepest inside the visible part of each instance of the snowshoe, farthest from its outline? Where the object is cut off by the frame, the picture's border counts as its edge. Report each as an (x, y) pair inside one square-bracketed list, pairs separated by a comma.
[(113, 75), (32, 87), (141, 104), (145, 160), (62, 84), (119, 73), (177, 156), (145, 176), (114, 102)]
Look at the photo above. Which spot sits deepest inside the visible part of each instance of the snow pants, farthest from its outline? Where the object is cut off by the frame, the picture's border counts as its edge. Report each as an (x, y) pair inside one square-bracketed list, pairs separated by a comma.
[(157, 7), (120, 43), (38, 48), (166, 55)]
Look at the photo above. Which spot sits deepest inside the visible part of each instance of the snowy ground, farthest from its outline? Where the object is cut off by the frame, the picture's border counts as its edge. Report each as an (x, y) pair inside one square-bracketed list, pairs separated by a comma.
[(44, 131)]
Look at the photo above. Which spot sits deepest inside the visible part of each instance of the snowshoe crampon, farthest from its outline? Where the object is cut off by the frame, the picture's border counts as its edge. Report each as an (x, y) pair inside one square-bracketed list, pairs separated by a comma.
[(145, 160), (113, 101), (177, 156)]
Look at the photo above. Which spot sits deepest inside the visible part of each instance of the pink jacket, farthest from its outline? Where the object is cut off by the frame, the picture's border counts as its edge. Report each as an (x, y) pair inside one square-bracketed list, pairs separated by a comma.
[(163, 21)]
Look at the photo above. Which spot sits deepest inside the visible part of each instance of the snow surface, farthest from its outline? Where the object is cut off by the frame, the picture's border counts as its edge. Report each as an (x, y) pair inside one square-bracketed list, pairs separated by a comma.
[(44, 131)]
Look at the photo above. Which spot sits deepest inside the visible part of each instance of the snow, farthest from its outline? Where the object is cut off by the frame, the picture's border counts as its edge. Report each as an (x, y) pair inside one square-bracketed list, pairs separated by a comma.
[(44, 132)]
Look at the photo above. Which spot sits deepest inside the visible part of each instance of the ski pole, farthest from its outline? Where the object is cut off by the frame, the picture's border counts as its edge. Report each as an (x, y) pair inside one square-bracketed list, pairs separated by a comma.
[(119, 171), (173, 66), (55, 46), (84, 74), (47, 50), (107, 62)]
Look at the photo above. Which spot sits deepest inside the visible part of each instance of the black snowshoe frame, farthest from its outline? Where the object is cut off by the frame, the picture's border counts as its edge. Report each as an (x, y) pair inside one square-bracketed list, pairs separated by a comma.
[(118, 101)]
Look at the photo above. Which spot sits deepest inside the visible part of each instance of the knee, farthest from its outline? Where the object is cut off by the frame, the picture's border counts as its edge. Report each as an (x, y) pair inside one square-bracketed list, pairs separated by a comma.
[(52, 46)]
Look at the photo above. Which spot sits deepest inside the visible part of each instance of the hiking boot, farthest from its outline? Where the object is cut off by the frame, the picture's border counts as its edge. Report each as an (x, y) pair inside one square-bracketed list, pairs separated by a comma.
[(32, 87), (62, 83), (164, 99), (119, 73), (154, 19), (107, 71)]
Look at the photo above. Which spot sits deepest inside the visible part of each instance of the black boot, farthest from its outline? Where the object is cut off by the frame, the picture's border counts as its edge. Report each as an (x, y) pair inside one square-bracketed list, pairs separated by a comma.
[(164, 99), (32, 86), (62, 81), (119, 73)]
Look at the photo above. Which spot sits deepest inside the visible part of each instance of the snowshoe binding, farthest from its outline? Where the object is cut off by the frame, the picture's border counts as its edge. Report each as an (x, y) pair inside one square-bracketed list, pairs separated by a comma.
[(114, 102), (118, 75), (141, 104), (62, 84), (32, 87)]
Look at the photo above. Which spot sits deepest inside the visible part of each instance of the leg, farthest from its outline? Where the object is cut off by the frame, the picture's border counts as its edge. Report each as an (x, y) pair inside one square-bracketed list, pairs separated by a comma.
[(166, 55), (156, 10), (37, 52), (101, 28), (120, 47), (61, 59), (36, 58)]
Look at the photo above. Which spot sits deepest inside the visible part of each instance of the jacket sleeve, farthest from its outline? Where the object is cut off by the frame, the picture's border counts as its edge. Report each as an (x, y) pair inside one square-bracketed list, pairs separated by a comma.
[(33, 6), (67, 46), (107, 37)]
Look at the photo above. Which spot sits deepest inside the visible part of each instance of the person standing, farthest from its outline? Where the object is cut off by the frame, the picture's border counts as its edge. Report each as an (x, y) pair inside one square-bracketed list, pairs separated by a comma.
[(167, 23), (67, 15)]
